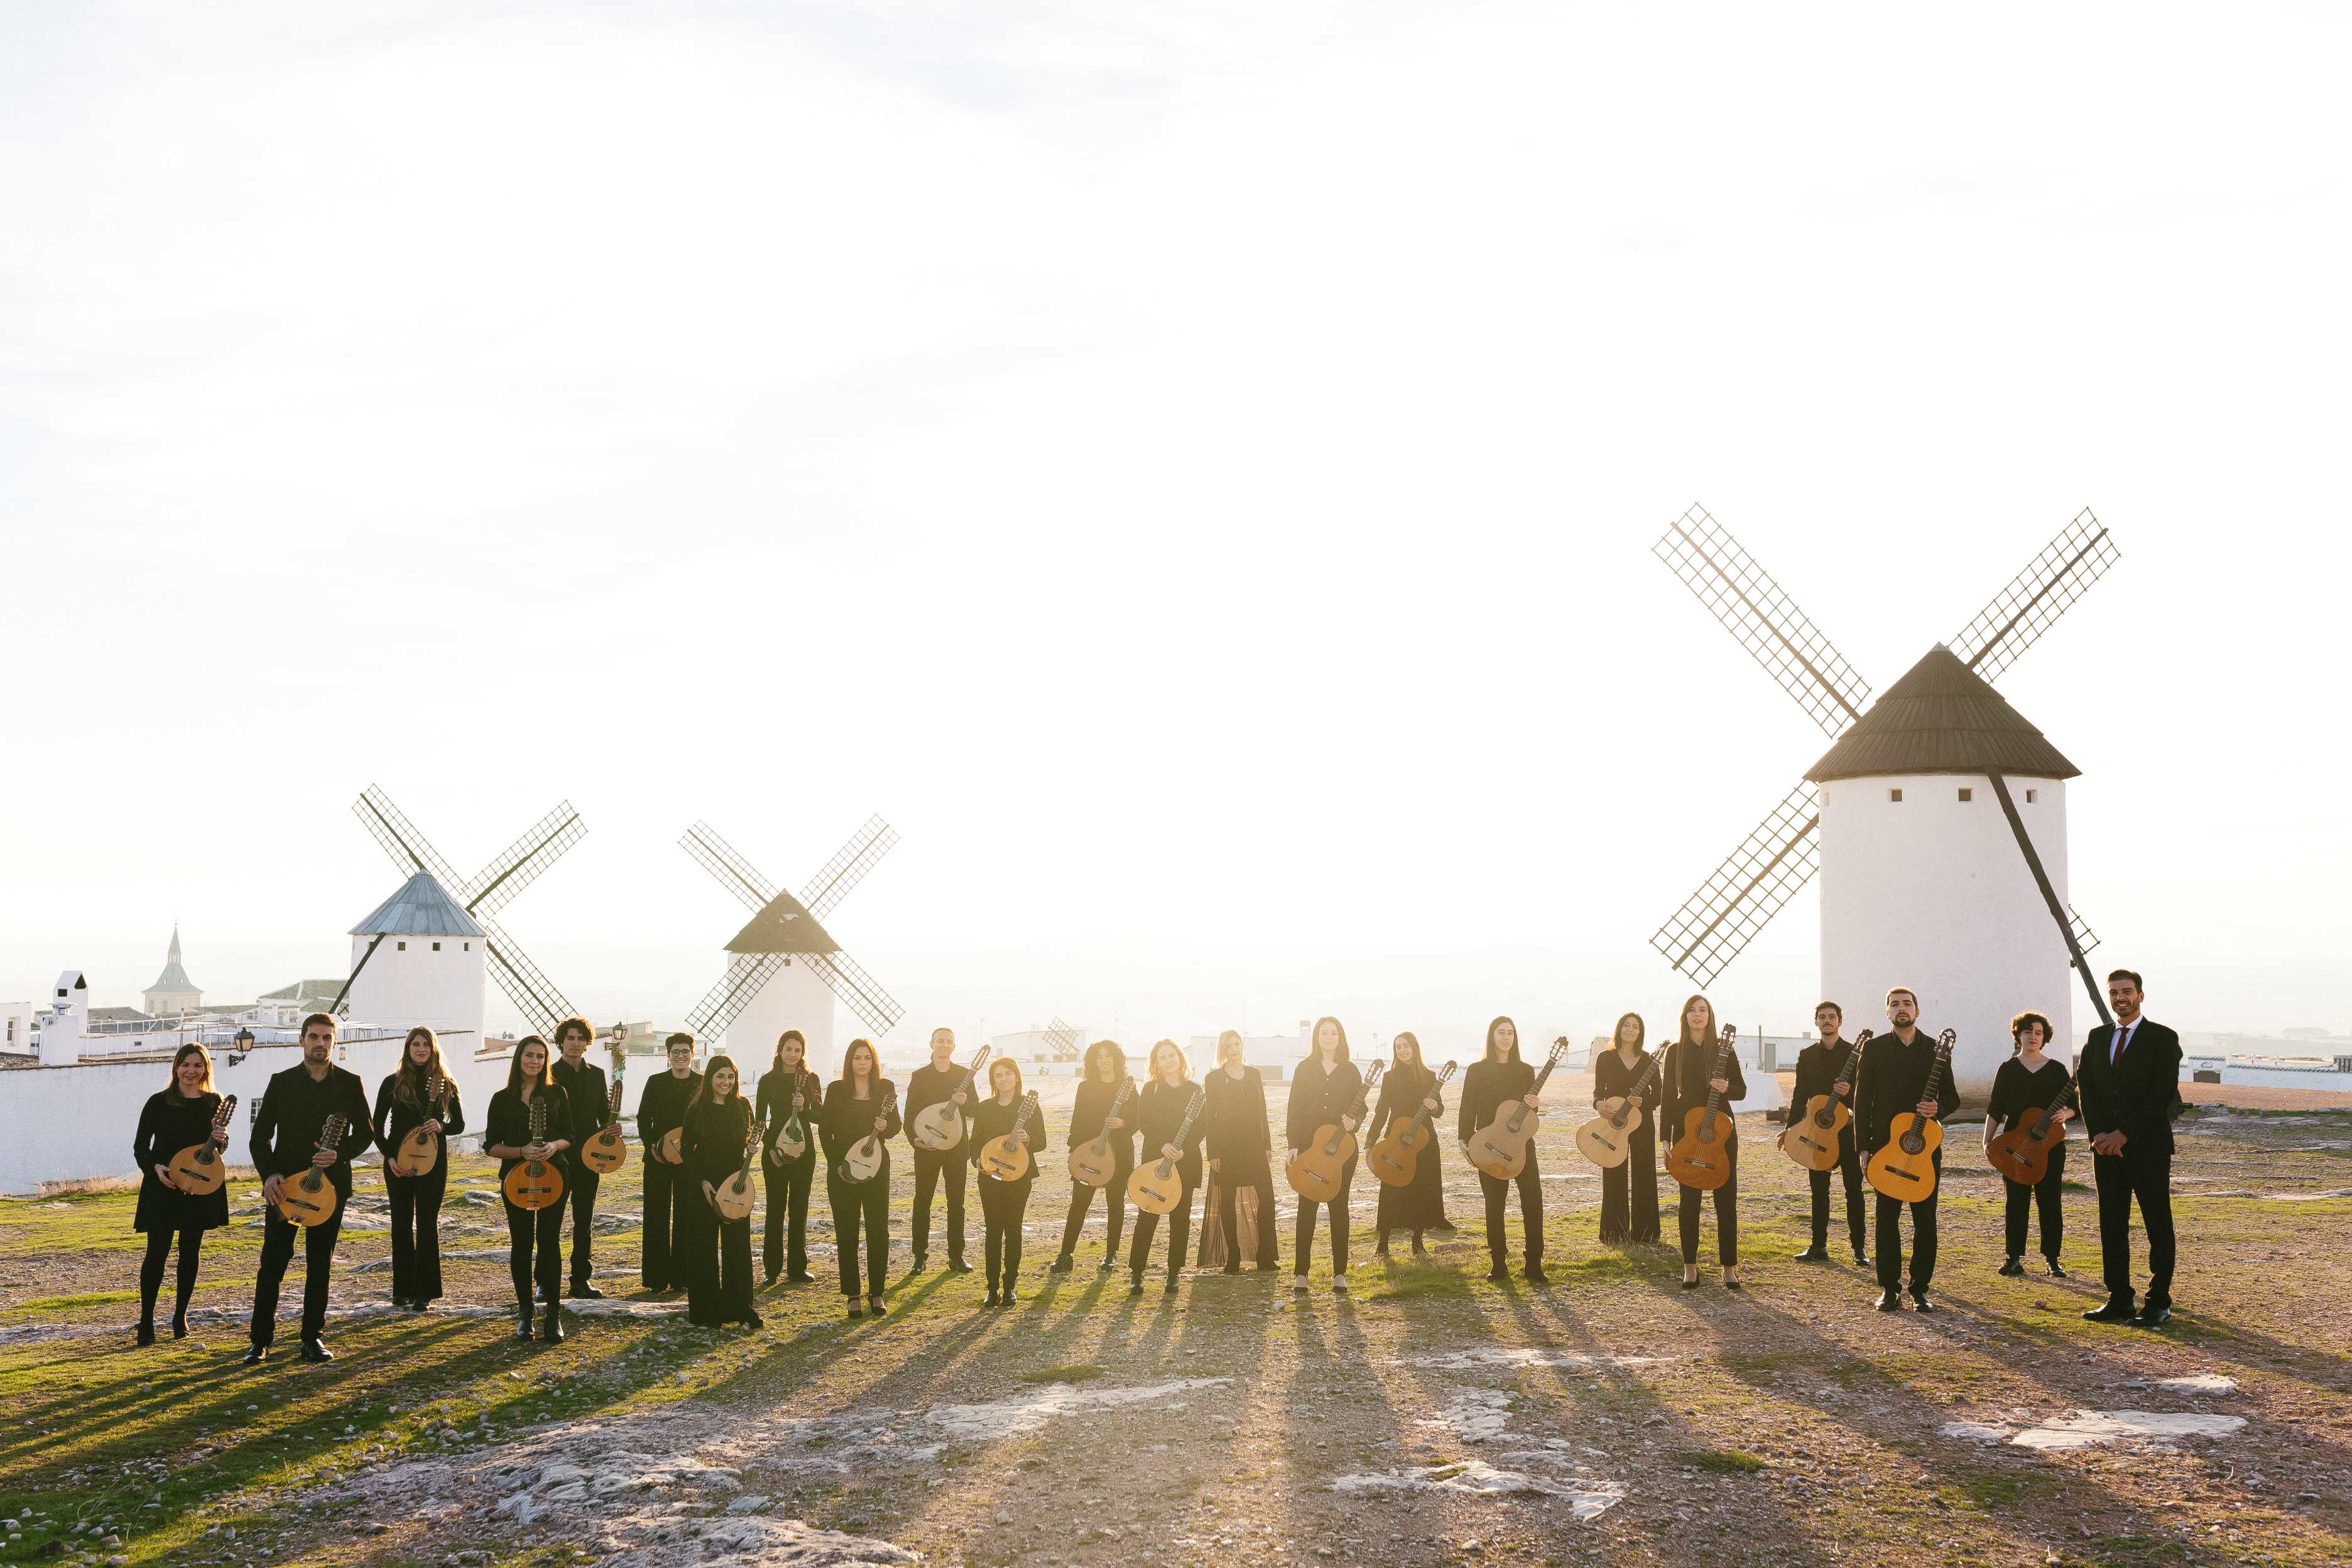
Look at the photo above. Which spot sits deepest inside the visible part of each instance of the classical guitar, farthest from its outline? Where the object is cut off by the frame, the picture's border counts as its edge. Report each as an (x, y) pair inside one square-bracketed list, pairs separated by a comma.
[(1701, 1157), (605, 1150), (310, 1198), (939, 1127), (1905, 1169), (535, 1183), (1092, 1163), (2022, 1153), (1006, 1159), (865, 1159), (1500, 1148), (199, 1168), (1811, 1140), (1157, 1186), (734, 1196), (1608, 1139), (421, 1151), (792, 1138), (1394, 1158), (1315, 1172)]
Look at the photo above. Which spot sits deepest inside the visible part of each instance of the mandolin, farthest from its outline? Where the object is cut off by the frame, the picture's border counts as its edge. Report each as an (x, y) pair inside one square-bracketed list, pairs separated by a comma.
[(1157, 1186), (199, 1168), (1811, 1140), (310, 1198), (535, 1185), (1500, 1148), (791, 1139), (1006, 1159), (1905, 1169), (606, 1150), (1093, 1163), (939, 1127), (1608, 1139), (421, 1151), (733, 1198), (1392, 1159), (1701, 1157), (2022, 1153), (1317, 1171), (866, 1157)]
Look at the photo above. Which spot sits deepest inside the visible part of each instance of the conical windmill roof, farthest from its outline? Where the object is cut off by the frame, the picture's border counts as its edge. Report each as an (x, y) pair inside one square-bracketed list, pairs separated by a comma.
[(421, 907), (1941, 718), (785, 925)]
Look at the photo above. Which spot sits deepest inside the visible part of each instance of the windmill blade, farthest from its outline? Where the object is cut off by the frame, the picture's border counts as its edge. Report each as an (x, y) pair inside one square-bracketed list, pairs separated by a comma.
[(746, 974), (1762, 619), (863, 996), (2050, 584), (735, 873), (407, 848), (1061, 1040), (848, 865), (1746, 891), (2085, 939), (532, 993), (496, 884)]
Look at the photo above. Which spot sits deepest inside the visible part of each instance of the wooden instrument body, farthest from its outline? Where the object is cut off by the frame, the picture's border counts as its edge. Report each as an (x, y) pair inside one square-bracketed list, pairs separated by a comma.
[(1701, 1157), (791, 1140), (1500, 1148), (1094, 1163), (1811, 1141), (937, 1129), (606, 1150), (309, 1197), (420, 1152), (1005, 1159), (735, 1196), (199, 1169), (1608, 1139), (1157, 1186), (673, 1146), (2020, 1157), (1398, 1154), (534, 1184), (1315, 1172), (1908, 1174)]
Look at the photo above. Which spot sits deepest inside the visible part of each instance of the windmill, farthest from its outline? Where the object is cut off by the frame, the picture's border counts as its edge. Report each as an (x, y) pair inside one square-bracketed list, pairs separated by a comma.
[(763, 992), (1926, 881), (445, 932), (1061, 1043)]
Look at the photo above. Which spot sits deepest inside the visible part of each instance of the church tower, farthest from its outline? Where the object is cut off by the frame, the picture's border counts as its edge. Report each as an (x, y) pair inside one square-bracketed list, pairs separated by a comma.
[(174, 993)]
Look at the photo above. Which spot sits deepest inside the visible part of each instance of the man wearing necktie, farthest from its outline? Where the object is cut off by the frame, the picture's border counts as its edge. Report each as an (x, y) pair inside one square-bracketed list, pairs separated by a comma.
[(2130, 1081)]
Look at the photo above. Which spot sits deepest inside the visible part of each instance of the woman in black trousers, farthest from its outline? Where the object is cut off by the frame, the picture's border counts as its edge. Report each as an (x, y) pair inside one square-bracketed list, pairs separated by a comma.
[(1240, 1149), (1408, 1090), (534, 1238), (1160, 1111), (1690, 1075), (1106, 1077), (1629, 1191), (788, 1089), (716, 1134), (2021, 1087), (179, 1116), (404, 1102), (1323, 1095), (1002, 1203), (1490, 1085), (859, 1104)]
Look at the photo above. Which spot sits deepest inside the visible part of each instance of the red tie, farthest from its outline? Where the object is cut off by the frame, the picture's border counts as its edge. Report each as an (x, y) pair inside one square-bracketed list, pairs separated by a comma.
[(2123, 1038)]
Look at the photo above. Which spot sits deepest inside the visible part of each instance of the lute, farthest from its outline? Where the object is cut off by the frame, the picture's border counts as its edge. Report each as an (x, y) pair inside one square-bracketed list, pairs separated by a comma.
[(1316, 1171), (534, 1184), (199, 1168), (864, 1160), (1006, 1159), (1811, 1140), (1157, 1186), (1394, 1158), (791, 1139), (1608, 1139), (606, 1150), (734, 1196), (421, 1151), (1500, 1148), (1093, 1163), (310, 1198), (1701, 1157), (939, 1127), (1905, 1167)]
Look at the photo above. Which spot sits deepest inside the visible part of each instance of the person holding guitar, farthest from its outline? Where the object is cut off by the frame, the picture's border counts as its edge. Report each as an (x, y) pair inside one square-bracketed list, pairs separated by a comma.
[(1490, 1085), (534, 1237), (2129, 1089), (790, 1096), (416, 1095), (1100, 1117), (1825, 1068), (859, 1104), (1629, 1190), (941, 1080), (1002, 1203), (1898, 1071), (2022, 1087), (1409, 1090), (178, 1116), (286, 1126), (661, 1111), (1701, 1067), (585, 1091), (717, 1250), (1240, 1142), (1162, 1112), (1323, 1094)]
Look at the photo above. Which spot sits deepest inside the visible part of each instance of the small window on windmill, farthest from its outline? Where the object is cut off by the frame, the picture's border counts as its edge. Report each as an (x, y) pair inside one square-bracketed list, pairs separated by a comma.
[(1967, 795), (1894, 794), (2032, 795), (436, 946), (400, 947)]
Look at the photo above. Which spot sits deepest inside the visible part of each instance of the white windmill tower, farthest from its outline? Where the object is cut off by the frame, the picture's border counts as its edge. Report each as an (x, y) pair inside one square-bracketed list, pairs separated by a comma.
[(784, 968), (1938, 820)]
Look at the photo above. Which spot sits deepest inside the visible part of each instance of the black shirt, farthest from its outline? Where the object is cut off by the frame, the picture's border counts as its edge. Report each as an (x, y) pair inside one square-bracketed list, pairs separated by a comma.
[(1687, 1072), (1093, 1108), (849, 1120), (1818, 1065), (1233, 1123), (1403, 1089), (585, 1090), (1159, 1111), (1317, 1098), (294, 1111), (1894, 1079), (507, 1124), (662, 1106), (776, 1101), (1488, 1087), (711, 1148), (168, 1124), (927, 1086), (991, 1120), (2019, 1093), (399, 1112)]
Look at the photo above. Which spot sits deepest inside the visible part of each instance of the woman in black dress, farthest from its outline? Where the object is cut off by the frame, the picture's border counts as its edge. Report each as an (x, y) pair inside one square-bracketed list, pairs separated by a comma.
[(1159, 1112), (1407, 1090), (714, 1134), (1002, 1203), (1106, 1075), (859, 1103), (1322, 1095), (2022, 1087), (788, 1180), (1628, 1191), (1241, 1148), (1690, 1076), (534, 1238), (403, 1104), (1492, 1083), (179, 1116)]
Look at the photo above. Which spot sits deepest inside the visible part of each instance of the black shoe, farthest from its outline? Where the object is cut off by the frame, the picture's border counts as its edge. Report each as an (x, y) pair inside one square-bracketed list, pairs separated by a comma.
[(923, 1260), (854, 1309), (874, 1308), (257, 1356), (522, 1324), (2112, 1312), (1009, 1298), (2058, 1270), (2151, 1317), (1500, 1274), (769, 1283), (1731, 1284), (1062, 1265), (991, 1296), (1107, 1265), (800, 1276), (582, 1291), (1690, 1284), (1861, 1260), (1889, 1301), (1382, 1252), (1420, 1253), (1135, 1283), (180, 1324), (146, 1332), (1816, 1253), (1920, 1304), (1535, 1274), (2012, 1270), (958, 1266), (1170, 1289), (553, 1321), (752, 1322), (316, 1349), (1231, 1268)]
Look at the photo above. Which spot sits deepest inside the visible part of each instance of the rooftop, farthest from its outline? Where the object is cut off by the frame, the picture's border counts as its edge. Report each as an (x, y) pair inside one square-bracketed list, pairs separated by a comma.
[(1941, 718), (421, 908)]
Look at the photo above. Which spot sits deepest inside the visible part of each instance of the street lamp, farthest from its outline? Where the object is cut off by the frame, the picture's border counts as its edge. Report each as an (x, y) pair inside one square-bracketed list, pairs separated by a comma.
[(240, 1047)]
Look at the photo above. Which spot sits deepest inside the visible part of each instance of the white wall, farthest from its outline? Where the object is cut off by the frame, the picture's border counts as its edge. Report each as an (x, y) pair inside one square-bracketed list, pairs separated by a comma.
[(410, 981), (793, 999)]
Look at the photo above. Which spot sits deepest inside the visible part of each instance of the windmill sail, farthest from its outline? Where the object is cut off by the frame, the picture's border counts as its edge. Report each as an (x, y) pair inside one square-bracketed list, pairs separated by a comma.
[(2034, 600), (735, 873), (1763, 619), (746, 974), (860, 991), (495, 884), (1746, 891), (837, 877)]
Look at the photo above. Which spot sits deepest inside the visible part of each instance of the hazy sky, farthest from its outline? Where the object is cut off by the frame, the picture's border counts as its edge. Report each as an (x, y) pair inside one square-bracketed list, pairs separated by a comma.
[(1191, 469)]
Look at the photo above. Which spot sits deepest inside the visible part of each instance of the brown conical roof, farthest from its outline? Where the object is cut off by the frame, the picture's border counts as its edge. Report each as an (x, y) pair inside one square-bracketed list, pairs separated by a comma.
[(784, 925), (1941, 718)]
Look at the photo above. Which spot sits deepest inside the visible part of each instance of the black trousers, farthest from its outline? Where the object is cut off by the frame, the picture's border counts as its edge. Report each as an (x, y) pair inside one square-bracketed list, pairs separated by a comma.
[(1530, 1186), (1849, 1168), (277, 1252), (580, 1198), (416, 1231), (1302, 1251), (2122, 1179), (928, 1169), (151, 1270), (718, 1257), (1180, 1231), (788, 1195), (535, 1252), (666, 1189), (1229, 1188), (865, 1206), (1890, 1240), (1726, 1220), (2042, 1195), (1082, 1199), (1001, 1204)]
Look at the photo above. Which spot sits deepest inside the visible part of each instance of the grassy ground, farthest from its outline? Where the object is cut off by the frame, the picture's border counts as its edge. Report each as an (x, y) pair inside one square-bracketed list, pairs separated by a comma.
[(1785, 1423)]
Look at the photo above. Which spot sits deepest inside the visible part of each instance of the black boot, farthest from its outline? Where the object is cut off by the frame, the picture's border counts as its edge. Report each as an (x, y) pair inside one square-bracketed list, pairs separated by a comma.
[(180, 1321), (147, 1330), (1419, 1251), (551, 1320), (522, 1330), (1063, 1264)]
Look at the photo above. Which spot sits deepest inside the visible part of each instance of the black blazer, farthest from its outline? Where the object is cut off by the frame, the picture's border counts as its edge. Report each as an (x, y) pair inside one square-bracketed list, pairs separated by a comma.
[(1892, 1079), (2136, 1094)]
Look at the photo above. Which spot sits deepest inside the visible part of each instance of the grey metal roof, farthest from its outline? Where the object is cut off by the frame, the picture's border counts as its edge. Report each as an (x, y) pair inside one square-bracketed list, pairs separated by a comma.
[(1941, 718), (785, 925), (421, 908)]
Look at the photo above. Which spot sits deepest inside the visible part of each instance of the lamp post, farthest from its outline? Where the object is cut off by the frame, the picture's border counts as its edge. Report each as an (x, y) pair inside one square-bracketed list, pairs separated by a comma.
[(240, 1046)]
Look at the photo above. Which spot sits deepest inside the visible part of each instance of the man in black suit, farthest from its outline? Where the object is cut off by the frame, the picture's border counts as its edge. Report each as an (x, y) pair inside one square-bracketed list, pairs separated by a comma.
[(585, 1092), (1897, 1070), (1819, 1067), (289, 1127), (2129, 1080)]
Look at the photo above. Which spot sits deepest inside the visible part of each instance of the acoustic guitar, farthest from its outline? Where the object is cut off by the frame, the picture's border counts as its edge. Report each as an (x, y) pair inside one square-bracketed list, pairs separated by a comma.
[(1315, 1172), (421, 1151), (939, 1127), (1905, 1168), (1006, 1159), (1157, 1186), (2022, 1153), (1701, 1157), (310, 1198), (535, 1183), (199, 1168), (1092, 1163), (1394, 1158), (791, 1139), (1811, 1140), (734, 1196), (1500, 1148), (606, 1150), (865, 1159), (1608, 1139)]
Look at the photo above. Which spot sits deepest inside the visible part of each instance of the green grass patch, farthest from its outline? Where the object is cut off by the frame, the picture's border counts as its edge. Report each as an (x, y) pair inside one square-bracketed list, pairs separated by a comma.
[(1424, 1285), (43, 1305), (1076, 1371)]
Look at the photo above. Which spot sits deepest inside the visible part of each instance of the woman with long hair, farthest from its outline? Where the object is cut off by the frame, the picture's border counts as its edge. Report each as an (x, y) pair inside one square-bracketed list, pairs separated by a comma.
[(1408, 1089), (1106, 1075), (1241, 1148), (1323, 1095), (1690, 1076), (785, 1089), (1002, 1203), (714, 1134), (1628, 1191), (1159, 1112), (404, 1102), (178, 1116), (860, 1102), (1492, 1083), (2022, 1085), (534, 1238)]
